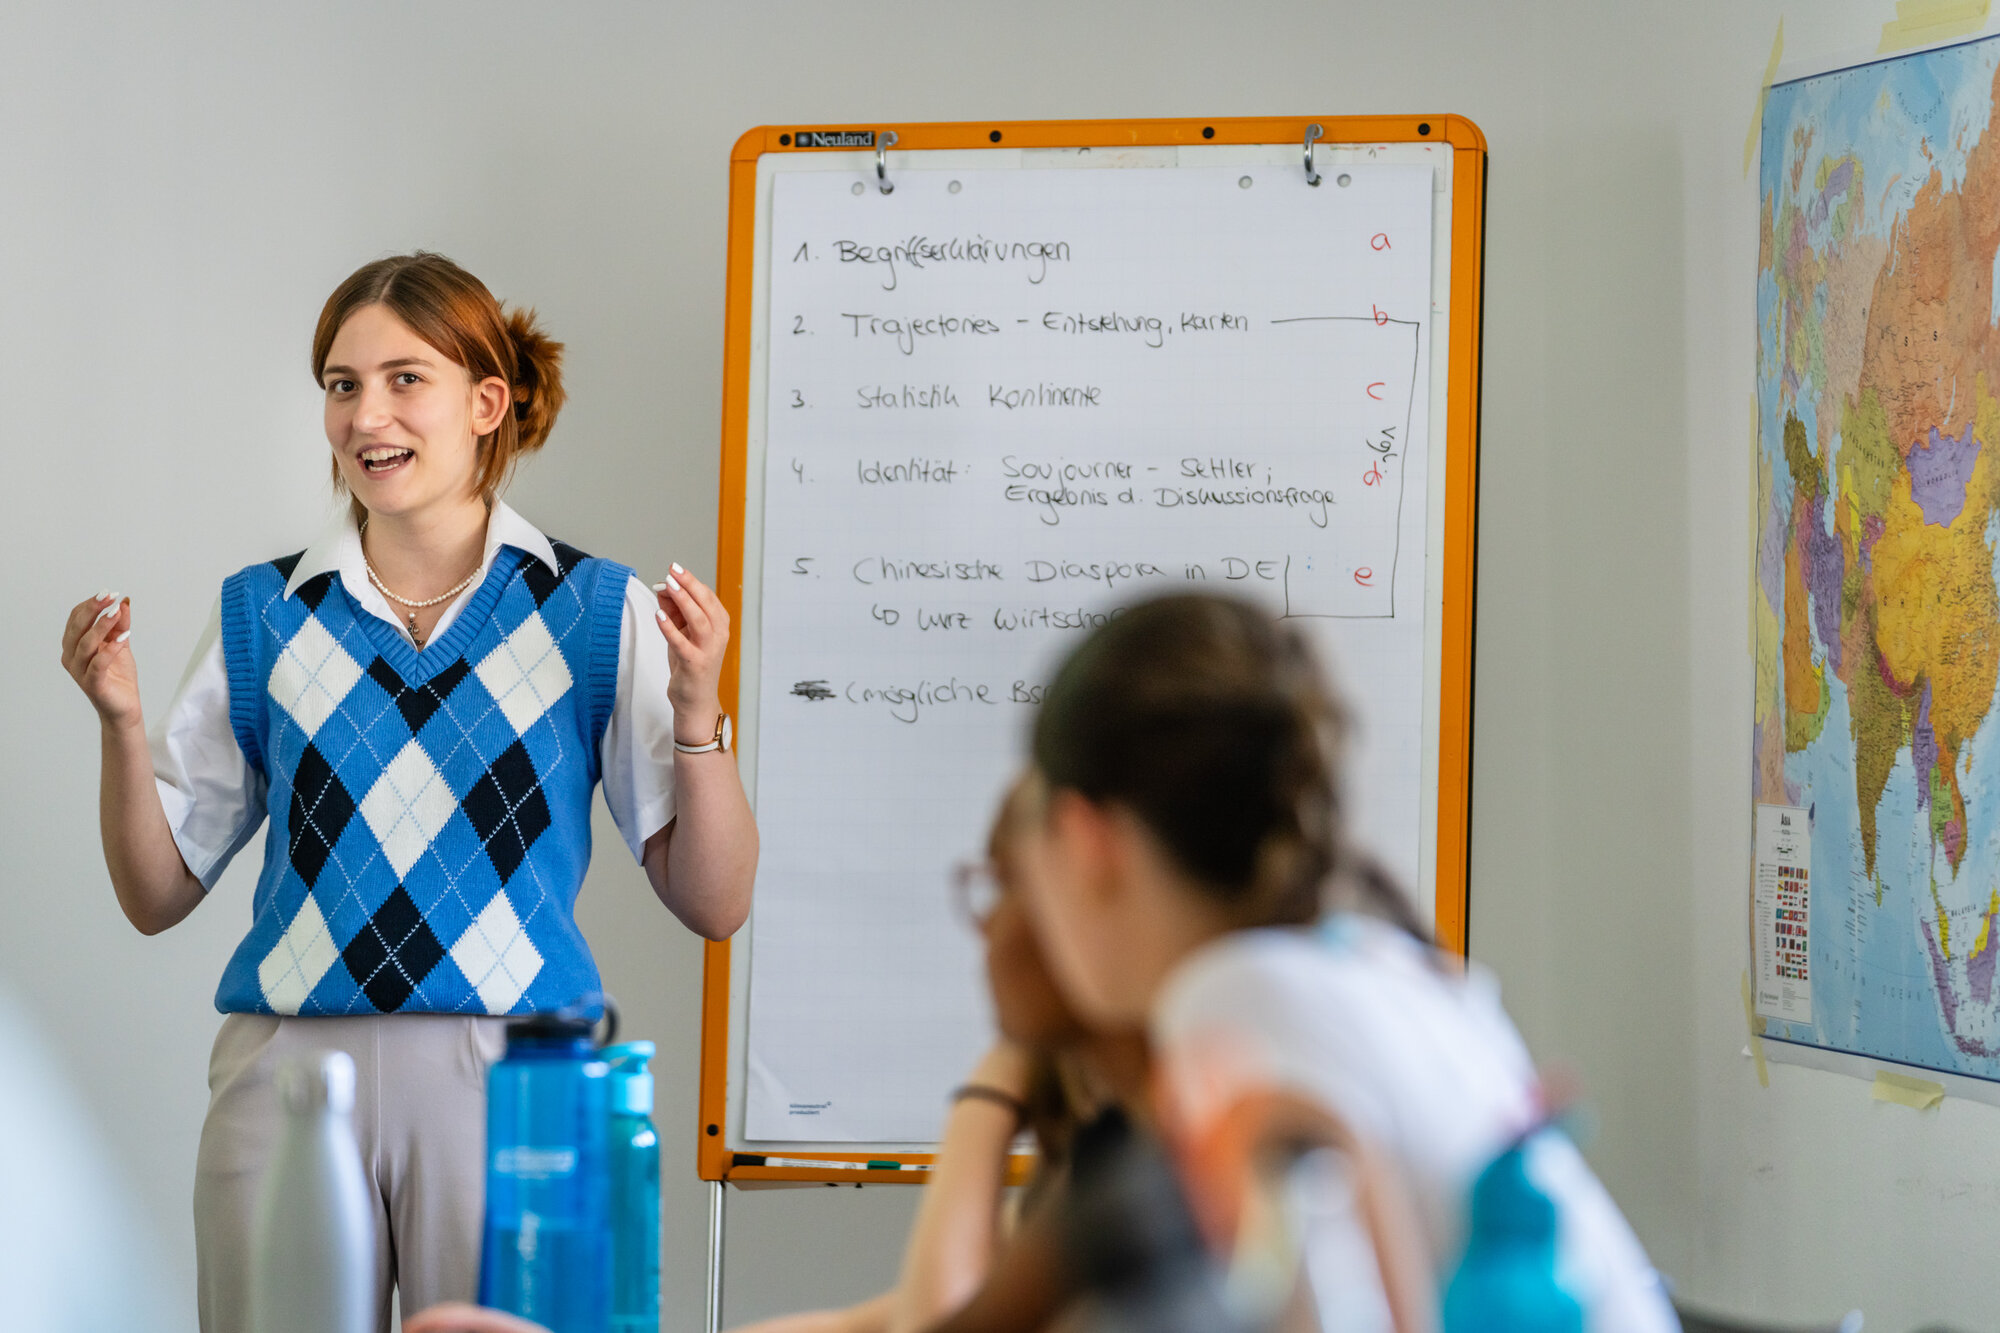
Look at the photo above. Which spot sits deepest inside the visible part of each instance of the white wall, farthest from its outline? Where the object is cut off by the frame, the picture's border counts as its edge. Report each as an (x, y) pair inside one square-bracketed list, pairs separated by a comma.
[(180, 186)]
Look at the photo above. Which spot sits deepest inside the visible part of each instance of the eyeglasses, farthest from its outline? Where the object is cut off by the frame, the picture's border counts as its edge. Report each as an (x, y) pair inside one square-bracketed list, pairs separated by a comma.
[(977, 889)]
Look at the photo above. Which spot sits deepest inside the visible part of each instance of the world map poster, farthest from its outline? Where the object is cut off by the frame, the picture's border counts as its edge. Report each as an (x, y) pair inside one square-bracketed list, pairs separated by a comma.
[(1876, 606)]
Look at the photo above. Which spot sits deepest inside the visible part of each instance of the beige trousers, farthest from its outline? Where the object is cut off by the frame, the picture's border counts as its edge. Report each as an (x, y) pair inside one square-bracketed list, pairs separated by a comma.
[(419, 1119)]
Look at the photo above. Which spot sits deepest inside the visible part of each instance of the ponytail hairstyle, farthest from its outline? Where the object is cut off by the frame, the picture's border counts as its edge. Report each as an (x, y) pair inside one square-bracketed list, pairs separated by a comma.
[(1211, 722), (452, 311)]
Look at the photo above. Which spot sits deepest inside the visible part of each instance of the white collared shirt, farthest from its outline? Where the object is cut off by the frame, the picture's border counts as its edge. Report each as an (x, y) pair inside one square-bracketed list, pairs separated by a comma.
[(214, 799)]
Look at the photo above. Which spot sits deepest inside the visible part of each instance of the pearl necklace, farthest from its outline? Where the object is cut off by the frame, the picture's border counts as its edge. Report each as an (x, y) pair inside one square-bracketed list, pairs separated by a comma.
[(383, 588)]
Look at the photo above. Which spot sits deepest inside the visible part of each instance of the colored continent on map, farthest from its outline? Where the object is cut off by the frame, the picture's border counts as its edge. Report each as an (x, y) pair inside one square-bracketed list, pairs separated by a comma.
[(1875, 599)]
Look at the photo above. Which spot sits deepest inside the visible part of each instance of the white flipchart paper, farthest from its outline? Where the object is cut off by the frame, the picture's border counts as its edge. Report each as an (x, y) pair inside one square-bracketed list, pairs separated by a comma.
[(1003, 404)]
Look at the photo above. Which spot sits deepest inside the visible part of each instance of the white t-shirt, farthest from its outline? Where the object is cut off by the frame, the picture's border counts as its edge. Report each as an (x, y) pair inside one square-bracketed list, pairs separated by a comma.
[(214, 799), (1423, 1062)]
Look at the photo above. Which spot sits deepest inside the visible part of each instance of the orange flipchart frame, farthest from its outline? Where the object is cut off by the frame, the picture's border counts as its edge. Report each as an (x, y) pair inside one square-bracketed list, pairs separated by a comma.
[(715, 1159)]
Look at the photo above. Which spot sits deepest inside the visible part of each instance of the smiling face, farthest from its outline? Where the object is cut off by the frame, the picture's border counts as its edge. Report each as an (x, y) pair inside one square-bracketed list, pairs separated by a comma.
[(403, 419)]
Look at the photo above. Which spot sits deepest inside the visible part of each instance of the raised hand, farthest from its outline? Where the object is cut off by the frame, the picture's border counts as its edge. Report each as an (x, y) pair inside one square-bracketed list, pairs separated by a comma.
[(98, 656), (696, 627), (703, 862)]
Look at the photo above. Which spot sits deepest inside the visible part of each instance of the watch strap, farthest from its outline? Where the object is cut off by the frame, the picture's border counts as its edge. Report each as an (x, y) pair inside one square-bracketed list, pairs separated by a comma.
[(721, 729)]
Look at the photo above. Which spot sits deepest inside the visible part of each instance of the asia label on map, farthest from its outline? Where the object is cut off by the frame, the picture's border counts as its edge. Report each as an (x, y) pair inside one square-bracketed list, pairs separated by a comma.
[(1875, 604), (1784, 913)]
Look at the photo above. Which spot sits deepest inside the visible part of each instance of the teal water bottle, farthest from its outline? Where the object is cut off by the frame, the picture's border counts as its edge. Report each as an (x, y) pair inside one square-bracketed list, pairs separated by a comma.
[(1507, 1282), (635, 1191), (547, 1249)]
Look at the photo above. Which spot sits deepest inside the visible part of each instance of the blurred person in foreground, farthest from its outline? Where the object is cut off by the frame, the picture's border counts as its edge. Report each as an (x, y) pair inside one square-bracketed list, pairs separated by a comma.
[(1189, 874)]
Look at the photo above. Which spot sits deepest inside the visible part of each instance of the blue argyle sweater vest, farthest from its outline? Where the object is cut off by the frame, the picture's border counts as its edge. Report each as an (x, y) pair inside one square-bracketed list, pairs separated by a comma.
[(430, 812)]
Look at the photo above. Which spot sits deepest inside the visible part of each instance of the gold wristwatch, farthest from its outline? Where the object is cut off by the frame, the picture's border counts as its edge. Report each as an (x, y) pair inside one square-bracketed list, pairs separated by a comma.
[(725, 736)]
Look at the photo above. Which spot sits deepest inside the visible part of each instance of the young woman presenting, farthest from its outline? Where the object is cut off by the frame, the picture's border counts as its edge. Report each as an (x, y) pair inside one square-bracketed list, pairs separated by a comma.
[(421, 703)]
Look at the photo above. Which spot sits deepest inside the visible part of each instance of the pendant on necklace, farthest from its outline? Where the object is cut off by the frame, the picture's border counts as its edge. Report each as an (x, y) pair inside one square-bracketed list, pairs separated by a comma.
[(416, 634)]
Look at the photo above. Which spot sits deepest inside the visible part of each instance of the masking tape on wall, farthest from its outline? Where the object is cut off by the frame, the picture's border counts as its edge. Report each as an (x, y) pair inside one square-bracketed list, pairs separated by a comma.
[(1757, 1040), (1764, 91), (1921, 22), (1919, 1094)]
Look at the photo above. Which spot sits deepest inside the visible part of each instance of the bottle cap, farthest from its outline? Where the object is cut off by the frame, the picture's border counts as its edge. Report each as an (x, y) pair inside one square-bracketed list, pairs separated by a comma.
[(564, 1026), (571, 1023), (631, 1080), (322, 1079)]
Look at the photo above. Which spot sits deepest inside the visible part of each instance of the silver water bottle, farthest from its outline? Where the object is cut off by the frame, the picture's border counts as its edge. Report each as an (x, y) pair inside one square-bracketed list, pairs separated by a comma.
[(313, 1250)]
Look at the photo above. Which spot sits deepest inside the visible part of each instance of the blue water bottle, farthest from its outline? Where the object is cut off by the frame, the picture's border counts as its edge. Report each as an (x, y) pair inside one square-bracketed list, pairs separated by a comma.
[(635, 1191), (547, 1248), (1507, 1281)]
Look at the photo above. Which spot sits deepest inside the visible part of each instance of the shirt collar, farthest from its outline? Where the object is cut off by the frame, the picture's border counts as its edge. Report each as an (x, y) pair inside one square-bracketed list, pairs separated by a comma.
[(339, 548)]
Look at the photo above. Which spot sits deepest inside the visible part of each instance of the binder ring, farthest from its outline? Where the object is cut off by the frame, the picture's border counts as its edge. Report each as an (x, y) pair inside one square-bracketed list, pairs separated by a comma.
[(882, 142), (1313, 131)]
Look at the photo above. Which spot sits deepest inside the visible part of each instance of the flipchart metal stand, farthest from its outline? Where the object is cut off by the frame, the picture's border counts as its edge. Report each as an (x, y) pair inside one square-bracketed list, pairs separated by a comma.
[(715, 1222)]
